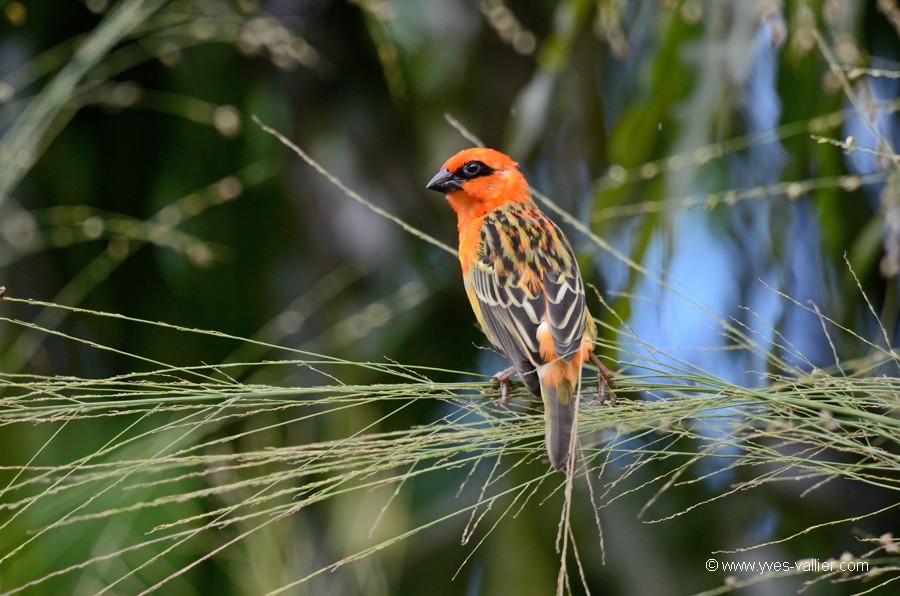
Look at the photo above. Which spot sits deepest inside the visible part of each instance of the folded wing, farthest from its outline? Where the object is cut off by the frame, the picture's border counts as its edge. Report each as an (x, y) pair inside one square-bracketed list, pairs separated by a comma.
[(526, 275)]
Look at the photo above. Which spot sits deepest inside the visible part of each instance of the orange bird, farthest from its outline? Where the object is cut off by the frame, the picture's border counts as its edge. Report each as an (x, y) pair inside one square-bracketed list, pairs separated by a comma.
[(524, 285)]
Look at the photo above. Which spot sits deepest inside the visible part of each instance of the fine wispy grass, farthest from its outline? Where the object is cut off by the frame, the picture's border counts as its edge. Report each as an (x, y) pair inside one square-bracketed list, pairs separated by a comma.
[(173, 450)]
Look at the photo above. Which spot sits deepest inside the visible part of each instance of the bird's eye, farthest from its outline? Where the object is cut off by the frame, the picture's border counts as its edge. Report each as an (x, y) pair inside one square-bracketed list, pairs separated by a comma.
[(474, 169)]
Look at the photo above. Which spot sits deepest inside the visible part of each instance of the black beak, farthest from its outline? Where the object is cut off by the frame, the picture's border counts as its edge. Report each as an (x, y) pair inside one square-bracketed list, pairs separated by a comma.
[(444, 181)]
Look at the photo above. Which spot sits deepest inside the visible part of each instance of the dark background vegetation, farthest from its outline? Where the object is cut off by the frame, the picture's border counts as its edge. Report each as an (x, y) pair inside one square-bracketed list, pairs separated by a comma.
[(685, 134)]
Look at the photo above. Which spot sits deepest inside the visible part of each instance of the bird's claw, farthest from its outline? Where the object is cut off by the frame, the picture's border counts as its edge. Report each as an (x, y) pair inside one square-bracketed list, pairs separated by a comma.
[(604, 376), (502, 377)]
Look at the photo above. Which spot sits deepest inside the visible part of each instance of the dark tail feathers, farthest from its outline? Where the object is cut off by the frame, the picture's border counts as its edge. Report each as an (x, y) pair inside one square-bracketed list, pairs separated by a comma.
[(559, 415)]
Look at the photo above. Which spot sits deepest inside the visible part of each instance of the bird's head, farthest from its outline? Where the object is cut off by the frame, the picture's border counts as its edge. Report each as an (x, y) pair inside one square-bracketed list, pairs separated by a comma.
[(478, 180)]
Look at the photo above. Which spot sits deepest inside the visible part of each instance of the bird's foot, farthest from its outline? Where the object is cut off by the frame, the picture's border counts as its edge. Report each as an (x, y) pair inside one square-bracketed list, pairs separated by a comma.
[(604, 377), (502, 377)]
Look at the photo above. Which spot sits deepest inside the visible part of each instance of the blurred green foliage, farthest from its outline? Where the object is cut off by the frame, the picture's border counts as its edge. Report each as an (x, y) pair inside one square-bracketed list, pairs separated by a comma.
[(727, 156)]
